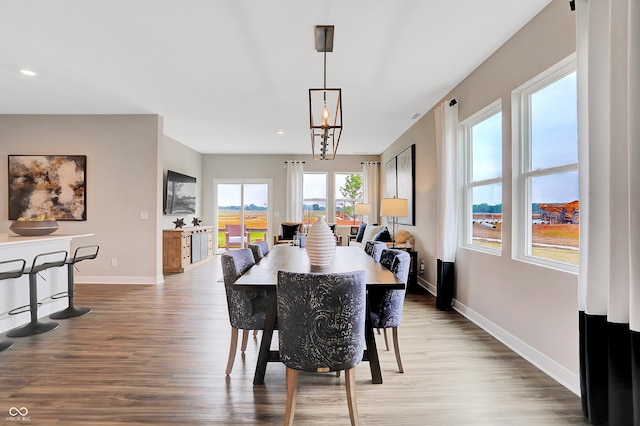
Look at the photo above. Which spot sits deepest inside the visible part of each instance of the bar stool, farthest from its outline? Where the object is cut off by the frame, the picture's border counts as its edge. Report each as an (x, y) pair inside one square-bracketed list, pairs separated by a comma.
[(48, 260), (9, 269), (90, 252)]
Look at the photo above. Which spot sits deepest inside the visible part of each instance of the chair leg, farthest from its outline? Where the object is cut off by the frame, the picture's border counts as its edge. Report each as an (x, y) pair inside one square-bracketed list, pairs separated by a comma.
[(292, 391), (232, 350), (396, 347), (245, 338), (350, 379), (386, 339)]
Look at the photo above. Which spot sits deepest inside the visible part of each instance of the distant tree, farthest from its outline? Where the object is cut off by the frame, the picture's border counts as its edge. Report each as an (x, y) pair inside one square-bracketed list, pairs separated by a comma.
[(352, 190)]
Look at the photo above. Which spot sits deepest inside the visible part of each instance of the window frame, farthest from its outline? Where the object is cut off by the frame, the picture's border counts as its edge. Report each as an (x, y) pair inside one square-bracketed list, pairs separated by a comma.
[(523, 174), (326, 191), (464, 131), (336, 191)]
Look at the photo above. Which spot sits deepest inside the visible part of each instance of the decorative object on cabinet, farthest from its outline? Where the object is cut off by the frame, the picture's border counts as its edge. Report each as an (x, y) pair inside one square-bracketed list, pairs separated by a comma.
[(196, 221), (321, 243), (395, 208), (179, 223), (47, 184), (34, 228), (183, 249)]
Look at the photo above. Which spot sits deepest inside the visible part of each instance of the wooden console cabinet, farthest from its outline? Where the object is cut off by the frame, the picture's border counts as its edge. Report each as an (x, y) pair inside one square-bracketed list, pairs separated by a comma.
[(183, 249)]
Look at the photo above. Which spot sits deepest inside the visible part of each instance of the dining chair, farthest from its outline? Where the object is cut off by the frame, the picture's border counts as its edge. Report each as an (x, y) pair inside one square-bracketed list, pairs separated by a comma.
[(321, 320), (247, 309), (374, 249), (259, 249), (386, 305)]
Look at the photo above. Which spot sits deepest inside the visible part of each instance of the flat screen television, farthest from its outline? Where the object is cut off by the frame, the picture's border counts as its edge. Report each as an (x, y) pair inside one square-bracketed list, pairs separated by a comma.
[(180, 194)]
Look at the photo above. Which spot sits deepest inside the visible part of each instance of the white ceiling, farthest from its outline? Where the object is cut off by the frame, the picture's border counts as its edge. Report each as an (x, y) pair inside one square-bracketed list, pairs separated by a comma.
[(227, 75)]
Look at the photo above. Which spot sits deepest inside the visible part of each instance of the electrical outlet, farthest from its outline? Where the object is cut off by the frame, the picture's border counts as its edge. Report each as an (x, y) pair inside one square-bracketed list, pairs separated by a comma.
[(114, 261), (422, 266)]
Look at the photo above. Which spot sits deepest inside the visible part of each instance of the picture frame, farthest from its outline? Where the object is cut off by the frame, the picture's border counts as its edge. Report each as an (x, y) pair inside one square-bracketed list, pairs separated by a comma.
[(391, 185), (400, 181), (50, 185), (405, 178)]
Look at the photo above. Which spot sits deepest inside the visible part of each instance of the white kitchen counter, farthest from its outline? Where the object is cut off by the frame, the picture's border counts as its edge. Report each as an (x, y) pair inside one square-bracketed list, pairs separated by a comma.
[(15, 292)]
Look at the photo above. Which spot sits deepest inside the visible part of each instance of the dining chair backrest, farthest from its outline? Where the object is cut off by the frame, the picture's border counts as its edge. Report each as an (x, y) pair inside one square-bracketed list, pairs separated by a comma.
[(374, 249), (321, 319), (247, 309), (259, 249), (386, 305)]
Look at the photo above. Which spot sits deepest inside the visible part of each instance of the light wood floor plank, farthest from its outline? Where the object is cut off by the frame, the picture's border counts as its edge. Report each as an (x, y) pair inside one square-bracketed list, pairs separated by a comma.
[(157, 355)]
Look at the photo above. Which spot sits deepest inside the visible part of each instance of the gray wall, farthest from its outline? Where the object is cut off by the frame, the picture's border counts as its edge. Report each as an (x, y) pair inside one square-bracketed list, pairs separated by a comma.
[(532, 309), (268, 167), (124, 178)]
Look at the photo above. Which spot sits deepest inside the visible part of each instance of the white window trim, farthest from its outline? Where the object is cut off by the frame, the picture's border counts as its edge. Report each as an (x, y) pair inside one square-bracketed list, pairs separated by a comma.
[(522, 175), (466, 170)]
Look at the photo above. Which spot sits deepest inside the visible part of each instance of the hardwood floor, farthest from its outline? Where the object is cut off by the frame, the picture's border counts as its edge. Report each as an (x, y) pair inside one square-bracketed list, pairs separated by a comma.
[(157, 355)]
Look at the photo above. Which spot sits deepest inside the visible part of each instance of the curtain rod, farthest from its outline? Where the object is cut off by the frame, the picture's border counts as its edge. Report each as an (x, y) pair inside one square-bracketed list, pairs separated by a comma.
[(292, 161), (453, 102), (369, 162)]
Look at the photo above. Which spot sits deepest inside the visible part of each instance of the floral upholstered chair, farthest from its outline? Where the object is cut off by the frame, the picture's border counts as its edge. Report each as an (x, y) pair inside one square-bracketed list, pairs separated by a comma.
[(321, 319), (386, 305), (374, 249), (260, 249), (247, 309)]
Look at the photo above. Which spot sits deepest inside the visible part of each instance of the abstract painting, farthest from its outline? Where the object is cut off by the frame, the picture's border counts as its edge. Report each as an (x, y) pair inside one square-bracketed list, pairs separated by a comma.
[(406, 184), (400, 181), (53, 185)]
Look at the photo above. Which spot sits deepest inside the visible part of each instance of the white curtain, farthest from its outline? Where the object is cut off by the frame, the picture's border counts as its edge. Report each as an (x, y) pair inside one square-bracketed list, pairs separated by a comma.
[(447, 209), (446, 153), (371, 178), (608, 52), (295, 174)]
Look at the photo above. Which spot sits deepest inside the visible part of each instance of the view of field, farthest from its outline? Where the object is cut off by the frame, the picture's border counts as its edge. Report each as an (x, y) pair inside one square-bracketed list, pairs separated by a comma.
[(257, 223), (550, 241)]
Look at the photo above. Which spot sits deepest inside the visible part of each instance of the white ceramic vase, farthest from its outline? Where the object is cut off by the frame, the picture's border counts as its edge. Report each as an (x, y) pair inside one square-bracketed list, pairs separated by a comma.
[(321, 243)]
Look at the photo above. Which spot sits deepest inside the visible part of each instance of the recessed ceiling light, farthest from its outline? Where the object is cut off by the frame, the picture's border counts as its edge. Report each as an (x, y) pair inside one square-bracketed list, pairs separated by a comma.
[(28, 73), (280, 132)]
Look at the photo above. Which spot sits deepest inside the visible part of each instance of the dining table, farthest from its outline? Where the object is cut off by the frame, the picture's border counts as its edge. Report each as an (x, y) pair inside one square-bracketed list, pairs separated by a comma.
[(263, 276)]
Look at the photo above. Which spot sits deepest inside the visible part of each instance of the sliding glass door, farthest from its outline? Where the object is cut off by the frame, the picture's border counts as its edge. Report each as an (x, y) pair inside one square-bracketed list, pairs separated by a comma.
[(242, 212)]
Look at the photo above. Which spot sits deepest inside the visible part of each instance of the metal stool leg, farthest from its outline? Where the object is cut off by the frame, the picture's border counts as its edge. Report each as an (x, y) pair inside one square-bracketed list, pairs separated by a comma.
[(7, 272), (72, 311), (35, 326), (53, 259)]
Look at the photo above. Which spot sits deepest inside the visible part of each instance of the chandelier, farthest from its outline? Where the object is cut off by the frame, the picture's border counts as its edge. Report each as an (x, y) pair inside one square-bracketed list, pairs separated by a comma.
[(325, 105)]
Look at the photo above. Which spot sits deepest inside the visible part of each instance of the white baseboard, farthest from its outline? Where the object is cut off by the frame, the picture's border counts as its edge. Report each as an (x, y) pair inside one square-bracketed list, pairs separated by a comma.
[(84, 279), (427, 285), (547, 365)]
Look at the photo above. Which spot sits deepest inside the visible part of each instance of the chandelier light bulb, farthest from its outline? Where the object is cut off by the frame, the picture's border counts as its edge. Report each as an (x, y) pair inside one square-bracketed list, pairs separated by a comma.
[(325, 116)]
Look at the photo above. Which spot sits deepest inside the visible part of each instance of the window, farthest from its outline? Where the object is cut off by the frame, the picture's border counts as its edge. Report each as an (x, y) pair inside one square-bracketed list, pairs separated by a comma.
[(314, 197), (547, 215), (348, 192), (482, 136)]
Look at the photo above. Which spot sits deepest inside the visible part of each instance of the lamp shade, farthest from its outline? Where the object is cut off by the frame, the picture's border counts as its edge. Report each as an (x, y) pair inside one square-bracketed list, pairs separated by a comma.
[(397, 207), (362, 208)]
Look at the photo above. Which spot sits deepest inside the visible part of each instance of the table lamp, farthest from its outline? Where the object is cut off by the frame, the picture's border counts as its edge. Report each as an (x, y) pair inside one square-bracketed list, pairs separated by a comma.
[(363, 209), (394, 207)]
